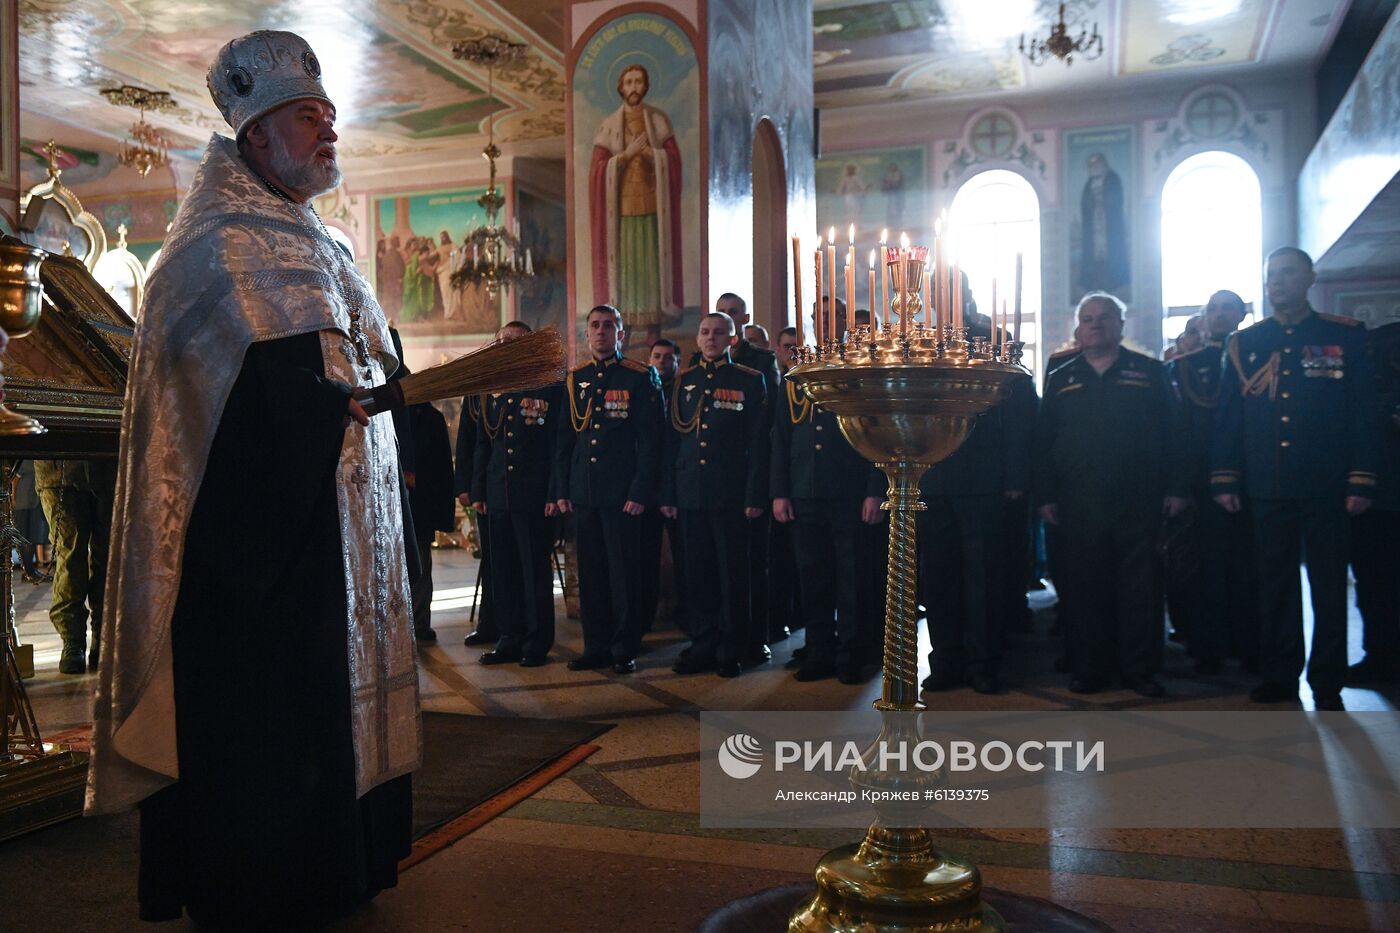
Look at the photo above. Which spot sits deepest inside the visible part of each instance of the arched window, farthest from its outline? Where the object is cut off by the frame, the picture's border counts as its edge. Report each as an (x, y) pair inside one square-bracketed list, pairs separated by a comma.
[(1212, 236), (995, 216)]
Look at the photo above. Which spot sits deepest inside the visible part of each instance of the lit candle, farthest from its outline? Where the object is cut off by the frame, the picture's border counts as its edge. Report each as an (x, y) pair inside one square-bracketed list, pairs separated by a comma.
[(797, 284), (956, 286), (851, 280), (928, 305), (529, 264), (884, 275), (938, 275), (903, 295), (993, 315), (874, 308), (1004, 355), (817, 305), (1016, 331), (831, 283)]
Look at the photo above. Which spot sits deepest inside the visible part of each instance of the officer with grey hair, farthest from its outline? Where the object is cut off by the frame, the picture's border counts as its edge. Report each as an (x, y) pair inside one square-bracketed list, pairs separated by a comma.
[(258, 691)]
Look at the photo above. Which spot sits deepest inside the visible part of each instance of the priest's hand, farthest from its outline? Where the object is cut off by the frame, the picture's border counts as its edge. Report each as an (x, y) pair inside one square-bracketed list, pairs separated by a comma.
[(751, 513), (565, 506), (633, 508), (358, 413), (550, 510)]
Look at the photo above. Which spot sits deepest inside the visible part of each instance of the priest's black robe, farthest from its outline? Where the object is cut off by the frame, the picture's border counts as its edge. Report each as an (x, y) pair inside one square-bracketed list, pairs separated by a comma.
[(263, 828)]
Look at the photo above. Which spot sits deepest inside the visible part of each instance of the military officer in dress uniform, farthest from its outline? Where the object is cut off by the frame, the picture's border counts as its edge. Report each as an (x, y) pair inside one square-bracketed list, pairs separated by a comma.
[(462, 467), (1296, 435), (715, 477), (1375, 534), (1109, 472), (1227, 600), (784, 590), (827, 494), (606, 458), (763, 629), (510, 482), (962, 544), (665, 359)]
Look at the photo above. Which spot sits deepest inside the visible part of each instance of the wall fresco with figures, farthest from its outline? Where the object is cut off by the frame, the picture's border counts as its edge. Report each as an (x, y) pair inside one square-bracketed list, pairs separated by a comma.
[(636, 168), (418, 242)]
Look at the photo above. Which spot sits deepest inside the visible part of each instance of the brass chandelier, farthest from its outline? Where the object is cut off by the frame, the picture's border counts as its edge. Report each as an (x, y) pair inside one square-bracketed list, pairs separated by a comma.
[(491, 254), (1059, 45), (147, 148)]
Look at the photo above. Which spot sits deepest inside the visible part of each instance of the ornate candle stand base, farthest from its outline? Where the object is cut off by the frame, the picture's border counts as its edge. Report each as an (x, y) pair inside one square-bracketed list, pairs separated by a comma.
[(906, 400)]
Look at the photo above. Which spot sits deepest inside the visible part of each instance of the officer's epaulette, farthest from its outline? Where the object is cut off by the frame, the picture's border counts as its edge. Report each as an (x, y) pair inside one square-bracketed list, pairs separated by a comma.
[(1188, 355), (746, 370), (1339, 319), (1058, 359), (634, 365), (688, 369), (581, 367)]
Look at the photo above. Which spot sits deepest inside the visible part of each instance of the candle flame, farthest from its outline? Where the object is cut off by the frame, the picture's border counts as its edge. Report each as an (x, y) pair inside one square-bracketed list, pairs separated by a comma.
[(938, 227), (872, 260), (831, 236), (884, 236), (851, 233), (904, 240)]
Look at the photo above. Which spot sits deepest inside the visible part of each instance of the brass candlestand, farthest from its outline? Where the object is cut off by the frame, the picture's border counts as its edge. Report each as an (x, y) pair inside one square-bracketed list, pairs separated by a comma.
[(906, 396), (39, 784)]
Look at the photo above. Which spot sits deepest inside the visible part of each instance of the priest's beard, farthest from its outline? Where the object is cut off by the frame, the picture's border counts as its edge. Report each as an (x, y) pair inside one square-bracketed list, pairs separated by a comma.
[(307, 177)]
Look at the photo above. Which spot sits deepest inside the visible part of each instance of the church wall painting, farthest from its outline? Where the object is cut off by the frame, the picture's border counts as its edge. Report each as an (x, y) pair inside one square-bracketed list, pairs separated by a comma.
[(543, 299), (873, 189), (635, 179), (417, 240), (1100, 167)]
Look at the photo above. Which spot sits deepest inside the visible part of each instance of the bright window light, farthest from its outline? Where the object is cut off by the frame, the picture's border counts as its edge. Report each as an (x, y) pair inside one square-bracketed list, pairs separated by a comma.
[(1212, 232), (343, 238), (995, 215)]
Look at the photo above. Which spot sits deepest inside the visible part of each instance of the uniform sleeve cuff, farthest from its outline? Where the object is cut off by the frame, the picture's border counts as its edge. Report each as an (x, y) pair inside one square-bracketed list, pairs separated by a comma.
[(1225, 482), (1360, 483)]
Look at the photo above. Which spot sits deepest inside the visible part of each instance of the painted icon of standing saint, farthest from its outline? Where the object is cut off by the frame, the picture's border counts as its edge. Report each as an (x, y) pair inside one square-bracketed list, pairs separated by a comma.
[(634, 188)]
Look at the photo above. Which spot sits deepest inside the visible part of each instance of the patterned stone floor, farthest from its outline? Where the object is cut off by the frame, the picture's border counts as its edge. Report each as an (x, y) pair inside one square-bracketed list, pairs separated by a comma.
[(617, 845)]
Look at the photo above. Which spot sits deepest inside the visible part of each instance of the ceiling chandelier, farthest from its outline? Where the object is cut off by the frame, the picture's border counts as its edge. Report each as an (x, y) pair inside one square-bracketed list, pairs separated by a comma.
[(1059, 45), (147, 148), (491, 255)]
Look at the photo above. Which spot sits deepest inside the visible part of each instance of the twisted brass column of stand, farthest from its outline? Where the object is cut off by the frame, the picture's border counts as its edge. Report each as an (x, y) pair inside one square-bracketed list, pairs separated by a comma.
[(901, 688)]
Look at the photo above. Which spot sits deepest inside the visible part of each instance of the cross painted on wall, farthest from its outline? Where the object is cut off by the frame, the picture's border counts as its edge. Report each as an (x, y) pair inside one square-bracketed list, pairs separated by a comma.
[(1212, 115), (993, 136)]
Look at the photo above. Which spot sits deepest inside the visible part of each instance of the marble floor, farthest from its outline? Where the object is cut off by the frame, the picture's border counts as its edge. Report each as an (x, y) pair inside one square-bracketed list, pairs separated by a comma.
[(617, 844)]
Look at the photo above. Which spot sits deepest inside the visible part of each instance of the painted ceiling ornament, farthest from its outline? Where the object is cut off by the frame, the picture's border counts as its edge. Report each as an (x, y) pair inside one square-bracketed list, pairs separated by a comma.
[(257, 73)]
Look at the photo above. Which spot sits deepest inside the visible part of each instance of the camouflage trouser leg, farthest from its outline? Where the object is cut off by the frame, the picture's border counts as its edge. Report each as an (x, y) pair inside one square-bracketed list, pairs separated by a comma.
[(72, 515)]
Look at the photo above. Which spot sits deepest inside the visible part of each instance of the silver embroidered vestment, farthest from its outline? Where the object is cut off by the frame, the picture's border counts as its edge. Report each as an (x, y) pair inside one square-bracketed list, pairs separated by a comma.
[(241, 266)]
